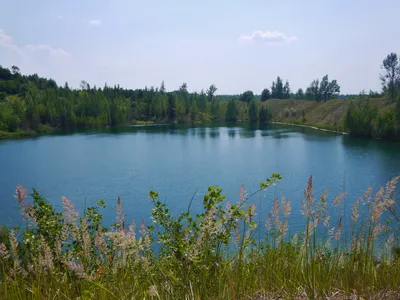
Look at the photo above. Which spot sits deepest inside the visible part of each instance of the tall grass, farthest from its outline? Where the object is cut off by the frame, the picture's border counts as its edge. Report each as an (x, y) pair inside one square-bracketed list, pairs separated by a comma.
[(218, 254)]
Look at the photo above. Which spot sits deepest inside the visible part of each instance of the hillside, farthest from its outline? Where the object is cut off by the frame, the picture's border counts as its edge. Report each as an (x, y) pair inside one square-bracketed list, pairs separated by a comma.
[(327, 115)]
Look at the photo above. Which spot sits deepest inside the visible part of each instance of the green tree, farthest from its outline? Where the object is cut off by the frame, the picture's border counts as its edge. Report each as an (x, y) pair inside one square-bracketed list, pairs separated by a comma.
[(299, 94), (313, 91), (264, 115), (398, 115), (202, 101), (231, 111), (391, 76), (286, 91), (171, 107), (277, 89), (15, 70), (247, 96), (210, 92), (162, 88), (265, 95), (328, 89), (215, 112), (253, 111)]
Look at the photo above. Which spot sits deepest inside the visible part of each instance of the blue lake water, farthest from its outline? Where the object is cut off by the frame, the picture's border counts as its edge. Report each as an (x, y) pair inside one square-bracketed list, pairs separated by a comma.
[(177, 161)]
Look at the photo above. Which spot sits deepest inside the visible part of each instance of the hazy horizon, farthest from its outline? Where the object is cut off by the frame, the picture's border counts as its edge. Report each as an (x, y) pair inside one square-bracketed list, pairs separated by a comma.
[(235, 45)]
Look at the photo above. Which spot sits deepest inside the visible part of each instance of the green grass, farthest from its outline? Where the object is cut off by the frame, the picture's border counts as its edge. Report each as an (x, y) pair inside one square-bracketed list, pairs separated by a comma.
[(17, 134), (42, 130), (327, 115), (143, 122), (218, 254)]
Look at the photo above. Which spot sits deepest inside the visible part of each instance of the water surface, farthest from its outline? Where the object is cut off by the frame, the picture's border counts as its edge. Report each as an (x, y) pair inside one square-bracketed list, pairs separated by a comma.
[(179, 161)]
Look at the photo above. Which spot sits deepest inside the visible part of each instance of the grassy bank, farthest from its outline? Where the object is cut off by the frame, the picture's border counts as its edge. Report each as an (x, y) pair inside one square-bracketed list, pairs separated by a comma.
[(328, 115), (217, 254), (4, 135), (42, 130)]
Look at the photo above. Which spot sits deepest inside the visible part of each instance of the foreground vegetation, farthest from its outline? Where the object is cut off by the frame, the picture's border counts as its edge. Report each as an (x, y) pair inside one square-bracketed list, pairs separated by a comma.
[(221, 253)]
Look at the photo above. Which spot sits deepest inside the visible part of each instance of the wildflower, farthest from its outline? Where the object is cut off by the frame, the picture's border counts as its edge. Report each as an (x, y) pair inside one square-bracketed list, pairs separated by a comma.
[(100, 242), (46, 256), (326, 221), (331, 232), (153, 291), (338, 200), (283, 228), (70, 214), (275, 214), (86, 240), (78, 269), (70, 220), (308, 192), (208, 226), (389, 242), (120, 216), (143, 231), (242, 195), (377, 230), (228, 210), (339, 230), (328, 243), (354, 211), (145, 263), (236, 235), (3, 251), (21, 194), (390, 188), (132, 228), (308, 203), (14, 250), (268, 222), (295, 239), (286, 208), (251, 212), (341, 261), (313, 226), (321, 212), (366, 197)]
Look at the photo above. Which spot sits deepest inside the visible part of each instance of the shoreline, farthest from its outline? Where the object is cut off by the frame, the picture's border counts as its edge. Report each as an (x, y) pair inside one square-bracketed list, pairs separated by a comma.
[(312, 127), (33, 134)]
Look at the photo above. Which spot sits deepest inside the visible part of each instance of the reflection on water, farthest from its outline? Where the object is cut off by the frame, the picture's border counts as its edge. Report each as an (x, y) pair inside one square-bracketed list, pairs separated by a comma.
[(215, 131), (176, 160)]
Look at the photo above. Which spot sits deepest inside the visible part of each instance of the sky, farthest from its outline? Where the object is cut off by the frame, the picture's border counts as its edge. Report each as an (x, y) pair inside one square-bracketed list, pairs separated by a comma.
[(236, 45)]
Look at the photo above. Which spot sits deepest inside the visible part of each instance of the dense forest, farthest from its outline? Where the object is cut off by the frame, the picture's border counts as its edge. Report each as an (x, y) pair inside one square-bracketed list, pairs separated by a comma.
[(32, 104)]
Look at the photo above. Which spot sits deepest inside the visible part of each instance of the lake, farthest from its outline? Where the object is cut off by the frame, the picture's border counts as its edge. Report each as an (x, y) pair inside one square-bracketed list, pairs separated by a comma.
[(178, 162)]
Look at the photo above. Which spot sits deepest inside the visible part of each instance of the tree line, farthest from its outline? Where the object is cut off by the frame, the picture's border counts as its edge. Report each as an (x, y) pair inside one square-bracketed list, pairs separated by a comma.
[(369, 119), (320, 91), (39, 104)]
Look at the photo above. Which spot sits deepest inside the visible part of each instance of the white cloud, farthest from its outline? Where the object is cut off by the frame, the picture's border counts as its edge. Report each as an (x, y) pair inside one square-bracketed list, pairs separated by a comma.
[(6, 41), (94, 22), (58, 52), (269, 37), (60, 17)]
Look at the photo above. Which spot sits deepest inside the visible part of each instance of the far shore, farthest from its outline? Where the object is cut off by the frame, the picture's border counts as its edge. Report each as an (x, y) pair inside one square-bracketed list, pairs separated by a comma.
[(311, 126)]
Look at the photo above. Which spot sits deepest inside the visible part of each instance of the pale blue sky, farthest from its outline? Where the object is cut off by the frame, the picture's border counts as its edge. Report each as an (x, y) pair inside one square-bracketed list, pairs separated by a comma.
[(236, 45)]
